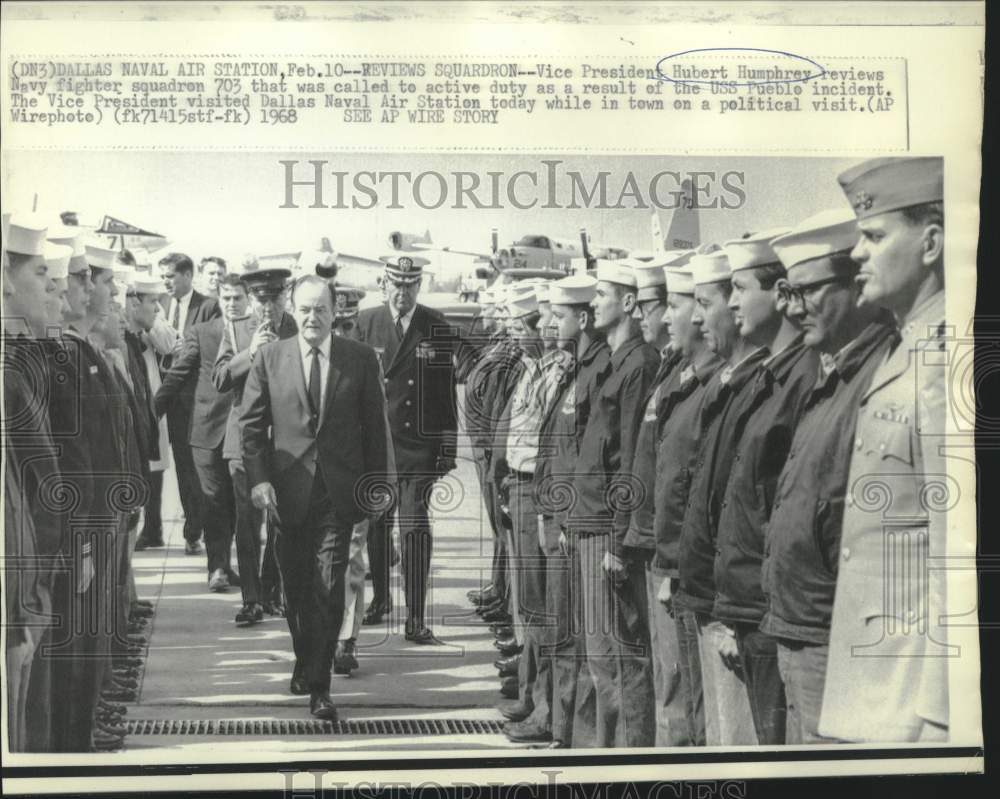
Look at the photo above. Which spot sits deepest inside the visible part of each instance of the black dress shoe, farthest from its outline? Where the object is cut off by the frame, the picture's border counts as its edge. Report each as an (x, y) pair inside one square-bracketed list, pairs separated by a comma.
[(502, 630), (118, 695), (516, 709), (527, 732), (148, 542), (299, 685), (193, 548), (344, 658), (508, 666), (491, 607), (375, 611), (140, 611), (500, 616), (509, 687), (250, 613), (484, 597), (321, 706), (422, 635), (508, 646)]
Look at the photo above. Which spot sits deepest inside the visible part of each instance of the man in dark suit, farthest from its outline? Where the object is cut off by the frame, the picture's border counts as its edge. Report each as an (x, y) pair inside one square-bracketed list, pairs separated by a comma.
[(210, 412), (416, 345), (184, 309), (241, 340), (321, 469)]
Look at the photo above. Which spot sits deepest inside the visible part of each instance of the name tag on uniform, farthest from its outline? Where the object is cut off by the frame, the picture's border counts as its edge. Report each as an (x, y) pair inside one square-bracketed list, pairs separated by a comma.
[(569, 401), (93, 370), (893, 412), (424, 350)]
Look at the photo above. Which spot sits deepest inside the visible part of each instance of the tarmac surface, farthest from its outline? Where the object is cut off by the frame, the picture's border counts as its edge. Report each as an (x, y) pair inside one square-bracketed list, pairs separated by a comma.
[(210, 686)]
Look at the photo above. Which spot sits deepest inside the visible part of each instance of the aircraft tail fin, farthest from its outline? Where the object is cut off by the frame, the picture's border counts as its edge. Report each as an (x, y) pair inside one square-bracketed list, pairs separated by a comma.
[(684, 232)]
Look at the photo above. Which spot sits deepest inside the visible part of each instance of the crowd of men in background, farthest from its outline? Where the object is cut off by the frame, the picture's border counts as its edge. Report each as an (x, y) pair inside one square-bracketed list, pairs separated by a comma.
[(673, 456), (707, 476)]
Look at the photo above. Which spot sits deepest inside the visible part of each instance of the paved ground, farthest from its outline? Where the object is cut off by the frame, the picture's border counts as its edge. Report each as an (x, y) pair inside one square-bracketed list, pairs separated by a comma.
[(201, 667)]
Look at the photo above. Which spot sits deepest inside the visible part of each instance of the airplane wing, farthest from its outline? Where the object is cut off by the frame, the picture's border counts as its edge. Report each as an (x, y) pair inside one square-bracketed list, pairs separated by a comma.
[(411, 242)]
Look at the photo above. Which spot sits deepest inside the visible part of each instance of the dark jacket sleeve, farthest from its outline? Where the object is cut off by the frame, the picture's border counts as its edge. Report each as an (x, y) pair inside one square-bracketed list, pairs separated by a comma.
[(632, 405), (183, 373), (255, 423), (374, 415), (231, 367)]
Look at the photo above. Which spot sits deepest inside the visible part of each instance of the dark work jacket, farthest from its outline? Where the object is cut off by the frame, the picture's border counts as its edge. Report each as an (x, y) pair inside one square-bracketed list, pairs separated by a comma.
[(419, 378), (764, 431), (697, 545), (483, 384), (562, 430), (194, 365), (147, 429), (677, 450), (603, 483), (640, 531), (232, 365), (799, 573), (128, 434)]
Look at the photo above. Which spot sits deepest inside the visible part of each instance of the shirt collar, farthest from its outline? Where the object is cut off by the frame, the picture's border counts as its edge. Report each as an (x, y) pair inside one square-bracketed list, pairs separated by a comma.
[(593, 349), (406, 317), (627, 348), (324, 348), (852, 355), (925, 316), (736, 374), (186, 297)]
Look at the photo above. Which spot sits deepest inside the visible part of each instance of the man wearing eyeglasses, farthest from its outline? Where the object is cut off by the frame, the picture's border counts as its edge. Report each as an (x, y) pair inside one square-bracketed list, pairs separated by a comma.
[(802, 549), (888, 677)]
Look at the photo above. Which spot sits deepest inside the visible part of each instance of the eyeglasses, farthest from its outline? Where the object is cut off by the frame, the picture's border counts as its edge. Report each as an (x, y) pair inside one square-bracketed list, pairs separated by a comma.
[(803, 292)]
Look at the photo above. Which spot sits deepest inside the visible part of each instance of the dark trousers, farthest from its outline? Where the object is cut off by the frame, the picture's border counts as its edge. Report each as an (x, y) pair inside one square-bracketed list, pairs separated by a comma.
[(188, 485), (528, 559), (573, 716), (410, 513), (487, 487), (616, 631), (690, 663), (217, 505), (152, 526), (312, 558), (248, 522), (759, 658)]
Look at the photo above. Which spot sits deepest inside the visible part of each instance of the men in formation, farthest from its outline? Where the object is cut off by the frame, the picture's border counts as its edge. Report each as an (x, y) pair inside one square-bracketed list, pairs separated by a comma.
[(689, 553), (676, 459)]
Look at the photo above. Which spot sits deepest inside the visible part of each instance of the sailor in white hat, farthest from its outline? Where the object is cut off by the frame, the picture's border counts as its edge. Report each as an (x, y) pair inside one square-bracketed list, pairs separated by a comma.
[(26, 280)]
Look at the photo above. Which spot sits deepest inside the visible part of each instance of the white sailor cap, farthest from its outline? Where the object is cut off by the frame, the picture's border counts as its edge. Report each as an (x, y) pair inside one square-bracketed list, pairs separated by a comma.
[(579, 289), (57, 258), (542, 290), (650, 281), (26, 234), (819, 236), (711, 267), (679, 280), (101, 257), (619, 272), (755, 250), (147, 284), (71, 237), (522, 302)]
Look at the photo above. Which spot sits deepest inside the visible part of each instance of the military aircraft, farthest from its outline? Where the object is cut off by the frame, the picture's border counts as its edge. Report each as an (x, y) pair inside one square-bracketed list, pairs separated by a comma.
[(538, 251)]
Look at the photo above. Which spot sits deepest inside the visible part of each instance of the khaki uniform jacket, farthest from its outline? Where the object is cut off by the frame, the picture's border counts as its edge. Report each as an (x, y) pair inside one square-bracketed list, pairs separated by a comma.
[(887, 668)]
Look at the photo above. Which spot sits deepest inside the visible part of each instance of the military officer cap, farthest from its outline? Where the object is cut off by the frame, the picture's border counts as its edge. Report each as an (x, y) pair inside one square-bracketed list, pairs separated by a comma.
[(710, 267), (650, 282), (70, 237), (266, 284), (616, 272), (348, 299), (147, 284), (57, 258), (101, 257), (880, 185), (573, 290), (754, 250), (404, 268), (820, 236), (26, 235)]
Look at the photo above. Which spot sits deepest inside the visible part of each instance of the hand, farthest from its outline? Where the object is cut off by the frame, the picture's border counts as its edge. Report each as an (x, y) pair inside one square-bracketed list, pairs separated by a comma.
[(563, 544), (262, 335), (614, 567), (541, 532), (728, 650), (663, 595), (86, 574), (263, 497), (177, 346)]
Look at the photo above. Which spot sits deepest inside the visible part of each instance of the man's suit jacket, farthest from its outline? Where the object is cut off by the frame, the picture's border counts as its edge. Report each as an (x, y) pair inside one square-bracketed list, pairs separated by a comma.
[(232, 365), (419, 384), (348, 444), (145, 417), (193, 367)]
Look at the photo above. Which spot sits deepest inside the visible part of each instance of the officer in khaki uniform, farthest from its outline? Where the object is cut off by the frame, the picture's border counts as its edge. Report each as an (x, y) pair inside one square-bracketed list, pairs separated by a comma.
[(887, 671)]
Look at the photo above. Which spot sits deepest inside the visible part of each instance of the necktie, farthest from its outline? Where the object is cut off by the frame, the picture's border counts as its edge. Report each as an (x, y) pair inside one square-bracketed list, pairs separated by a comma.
[(314, 381), (176, 320), (399, 327)]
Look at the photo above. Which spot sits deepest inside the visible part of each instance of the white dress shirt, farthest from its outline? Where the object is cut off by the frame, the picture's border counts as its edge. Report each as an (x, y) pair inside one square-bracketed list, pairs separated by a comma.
[(405, 319), (185, 303), (305, 350)]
